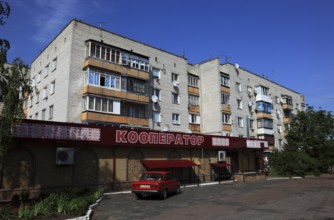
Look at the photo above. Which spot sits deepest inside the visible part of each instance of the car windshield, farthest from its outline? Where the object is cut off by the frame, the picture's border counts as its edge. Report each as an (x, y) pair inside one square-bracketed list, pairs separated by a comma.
[(151, 176)]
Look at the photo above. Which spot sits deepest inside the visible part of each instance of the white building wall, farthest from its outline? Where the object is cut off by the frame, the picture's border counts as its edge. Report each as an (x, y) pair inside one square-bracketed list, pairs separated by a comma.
[(60, 49)]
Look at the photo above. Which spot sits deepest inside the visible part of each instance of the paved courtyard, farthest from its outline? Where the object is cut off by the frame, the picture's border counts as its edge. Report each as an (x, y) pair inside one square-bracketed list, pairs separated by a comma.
[(308, 198)]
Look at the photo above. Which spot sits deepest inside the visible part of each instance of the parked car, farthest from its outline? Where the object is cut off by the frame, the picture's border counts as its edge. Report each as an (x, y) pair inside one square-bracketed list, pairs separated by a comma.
[(159, 183)]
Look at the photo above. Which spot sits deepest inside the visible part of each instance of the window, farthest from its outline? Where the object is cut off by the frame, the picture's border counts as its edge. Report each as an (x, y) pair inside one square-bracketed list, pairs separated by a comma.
[(238, 87), (280, 142), (105, 79), (135, 85), (225, 98), (176, 119), (156, 117), (54, 64), (134, 110), (36, 115), (193, 100), (175, 98), (102, 105), (251, 123), (50, 111), (45, 95), (262, 90), (279, 128), (175, 78), (156, 73), (37, 97), (134, 61), (264, 107), (192, 81), (265, 123), (43, 114), (277, 100), (240, 122), (226, 118), (33, 82), (225, 80), (287, 100), (194, 118), (239, 103), (46, 71), (39, 75), (157, 93), (31, 101), (52, 87)]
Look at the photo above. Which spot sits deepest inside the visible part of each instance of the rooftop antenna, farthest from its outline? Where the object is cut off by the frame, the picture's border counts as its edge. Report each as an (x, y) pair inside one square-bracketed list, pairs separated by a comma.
[(101, 23), (273, 73)]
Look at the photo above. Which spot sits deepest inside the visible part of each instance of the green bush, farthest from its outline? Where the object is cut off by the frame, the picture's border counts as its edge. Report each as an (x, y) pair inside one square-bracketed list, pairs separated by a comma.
[(72, 202)]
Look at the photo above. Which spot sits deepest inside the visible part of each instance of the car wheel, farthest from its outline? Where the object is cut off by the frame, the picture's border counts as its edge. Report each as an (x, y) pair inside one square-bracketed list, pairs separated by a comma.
[(164, 194), (139, 195), (178, 190)]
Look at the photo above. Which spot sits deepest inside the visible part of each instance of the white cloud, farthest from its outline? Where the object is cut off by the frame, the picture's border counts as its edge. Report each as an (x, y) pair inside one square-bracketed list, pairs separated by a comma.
[(52, 16)]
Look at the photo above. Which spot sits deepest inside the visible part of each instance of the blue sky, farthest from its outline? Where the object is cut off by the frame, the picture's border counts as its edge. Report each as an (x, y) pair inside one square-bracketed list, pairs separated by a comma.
[(290, 42)]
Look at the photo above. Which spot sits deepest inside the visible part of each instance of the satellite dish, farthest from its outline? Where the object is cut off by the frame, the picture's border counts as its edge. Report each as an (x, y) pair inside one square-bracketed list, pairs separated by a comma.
[(154, 98), (278, 112), (175, 83), (250, 103), (165, 128), (236, 66)]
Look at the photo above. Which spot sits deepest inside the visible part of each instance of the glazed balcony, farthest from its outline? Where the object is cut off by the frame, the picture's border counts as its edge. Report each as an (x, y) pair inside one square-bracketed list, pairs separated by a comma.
[(263, 115), (126, 70), (227, 127), (195, 127), (193, 90), (109, 118), (225, 89), (194, 108), (286, 106), (115, 93), (226, 108)]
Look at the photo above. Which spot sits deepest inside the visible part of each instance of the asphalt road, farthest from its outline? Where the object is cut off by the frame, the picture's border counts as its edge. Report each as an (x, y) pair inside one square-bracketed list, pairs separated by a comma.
[(308, 198)]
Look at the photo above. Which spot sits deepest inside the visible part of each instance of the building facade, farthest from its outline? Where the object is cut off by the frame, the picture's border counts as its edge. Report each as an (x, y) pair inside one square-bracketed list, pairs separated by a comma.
[(93, 76)]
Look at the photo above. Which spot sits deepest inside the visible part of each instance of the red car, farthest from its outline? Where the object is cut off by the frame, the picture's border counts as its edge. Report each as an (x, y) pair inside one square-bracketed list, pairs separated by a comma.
[(159, 183)]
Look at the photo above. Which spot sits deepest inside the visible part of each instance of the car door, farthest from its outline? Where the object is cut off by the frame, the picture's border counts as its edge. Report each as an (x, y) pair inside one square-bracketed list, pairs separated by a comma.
[(172, 184)]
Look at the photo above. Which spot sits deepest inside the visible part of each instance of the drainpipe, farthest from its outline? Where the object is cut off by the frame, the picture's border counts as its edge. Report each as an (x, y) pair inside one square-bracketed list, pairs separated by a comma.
[(114, 168), (262, 159)]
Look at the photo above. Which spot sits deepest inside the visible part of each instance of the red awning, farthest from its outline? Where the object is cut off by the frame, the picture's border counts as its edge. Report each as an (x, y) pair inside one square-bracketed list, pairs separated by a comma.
[(167, 163), (220, 164)]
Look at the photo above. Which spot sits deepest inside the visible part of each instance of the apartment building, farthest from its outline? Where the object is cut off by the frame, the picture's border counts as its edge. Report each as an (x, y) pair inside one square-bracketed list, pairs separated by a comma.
[(93, 76), (248, 106)]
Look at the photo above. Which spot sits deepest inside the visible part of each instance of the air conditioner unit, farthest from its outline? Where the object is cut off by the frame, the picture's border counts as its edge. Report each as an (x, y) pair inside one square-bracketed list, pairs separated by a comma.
[(175, 83), (221, 156), (64, 156)]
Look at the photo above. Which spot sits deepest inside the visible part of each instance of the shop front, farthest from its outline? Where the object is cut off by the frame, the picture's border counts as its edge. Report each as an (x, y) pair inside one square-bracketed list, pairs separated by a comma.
[(53, 155)]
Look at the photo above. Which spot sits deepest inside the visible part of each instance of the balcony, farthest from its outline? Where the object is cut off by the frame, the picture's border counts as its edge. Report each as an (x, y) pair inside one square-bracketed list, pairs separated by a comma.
[(115, 93), (193, 90), (263, 115), (265, 98), (194, 108), (116, 68), (286, 106), (225, 89), (265, 131), (226, 108), (108, 118), (227, 127), (195, 127)]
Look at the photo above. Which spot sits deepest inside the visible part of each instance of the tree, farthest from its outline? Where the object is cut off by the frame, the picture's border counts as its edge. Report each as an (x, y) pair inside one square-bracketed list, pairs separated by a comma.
[(14, 87), (309, 147)]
